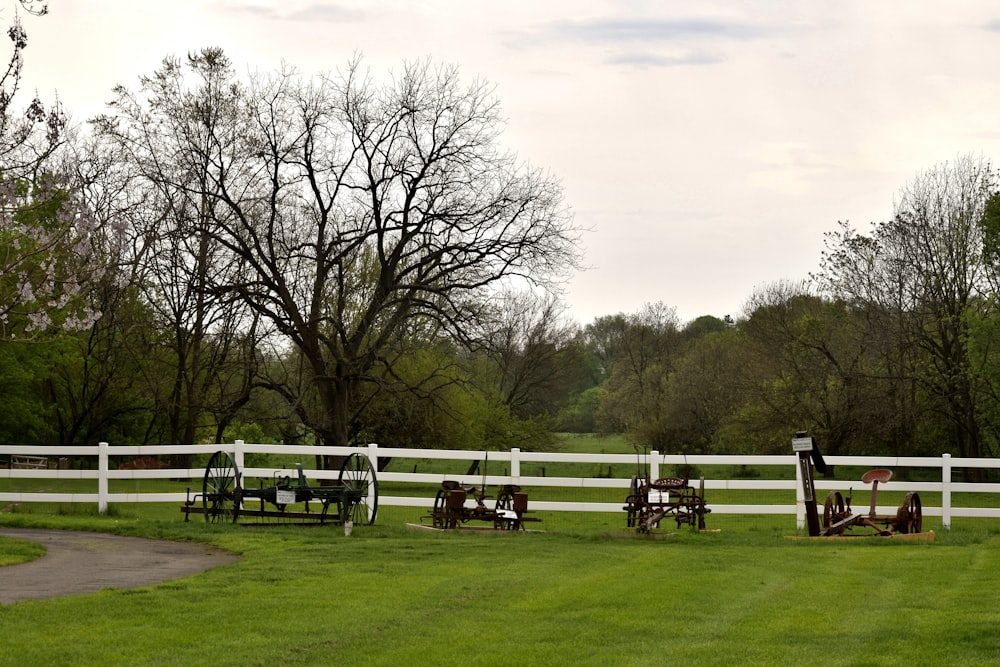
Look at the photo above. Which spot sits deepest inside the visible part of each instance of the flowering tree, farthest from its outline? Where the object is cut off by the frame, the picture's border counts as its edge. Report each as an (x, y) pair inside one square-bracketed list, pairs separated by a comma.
[(46, 233)]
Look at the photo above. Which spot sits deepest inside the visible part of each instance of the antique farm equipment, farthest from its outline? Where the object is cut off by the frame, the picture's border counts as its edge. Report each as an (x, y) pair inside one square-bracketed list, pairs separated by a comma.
[(353, 499), (648, 503), (837, 514), (451, 507)]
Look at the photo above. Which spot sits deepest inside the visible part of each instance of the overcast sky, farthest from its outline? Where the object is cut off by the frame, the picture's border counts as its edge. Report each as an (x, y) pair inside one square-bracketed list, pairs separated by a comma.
[(707, 146)]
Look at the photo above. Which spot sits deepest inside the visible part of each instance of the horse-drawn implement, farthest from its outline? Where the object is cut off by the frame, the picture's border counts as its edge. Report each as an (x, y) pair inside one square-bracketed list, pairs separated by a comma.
[(451, 508), (837, 514), (286, 499), (648, 503)]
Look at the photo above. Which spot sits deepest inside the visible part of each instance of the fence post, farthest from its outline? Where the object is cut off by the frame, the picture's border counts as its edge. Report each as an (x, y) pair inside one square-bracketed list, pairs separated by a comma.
[(238, 454), (946, 491), (515, 465), (373, 456), (102, 477), (800, 500), (654, 466)]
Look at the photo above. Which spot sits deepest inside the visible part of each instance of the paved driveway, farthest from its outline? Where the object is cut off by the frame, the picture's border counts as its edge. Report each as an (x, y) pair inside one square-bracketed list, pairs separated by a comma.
[(79, 562)]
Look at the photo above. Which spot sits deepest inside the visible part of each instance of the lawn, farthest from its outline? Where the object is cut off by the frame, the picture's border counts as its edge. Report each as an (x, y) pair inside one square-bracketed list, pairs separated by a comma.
[(578, 591), (391, 595)]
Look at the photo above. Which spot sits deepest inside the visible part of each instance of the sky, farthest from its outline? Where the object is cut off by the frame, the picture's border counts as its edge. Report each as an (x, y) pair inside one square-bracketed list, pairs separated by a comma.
[(705, 148)]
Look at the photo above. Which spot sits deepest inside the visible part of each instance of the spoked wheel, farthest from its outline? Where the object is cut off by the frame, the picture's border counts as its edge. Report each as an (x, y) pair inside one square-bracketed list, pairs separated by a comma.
[(634, 501), (505, 508), (360, 489), (221, 492), (438, 512), (909, 518), (833, 509)]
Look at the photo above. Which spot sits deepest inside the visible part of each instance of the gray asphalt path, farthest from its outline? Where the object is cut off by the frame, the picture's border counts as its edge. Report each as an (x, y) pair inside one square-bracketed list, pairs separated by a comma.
[(79, 562)]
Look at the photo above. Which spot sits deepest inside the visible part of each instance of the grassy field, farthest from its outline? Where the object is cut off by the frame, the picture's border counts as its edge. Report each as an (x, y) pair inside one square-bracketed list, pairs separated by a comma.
[(577, 592), (390, 595)]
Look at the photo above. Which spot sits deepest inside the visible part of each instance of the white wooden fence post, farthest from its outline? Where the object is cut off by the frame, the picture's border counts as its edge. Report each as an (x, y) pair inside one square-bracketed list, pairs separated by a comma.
[(515, 465), (946, 491), (238, 455), (373, 456), (800, 500), (102, 477), (654, 466)]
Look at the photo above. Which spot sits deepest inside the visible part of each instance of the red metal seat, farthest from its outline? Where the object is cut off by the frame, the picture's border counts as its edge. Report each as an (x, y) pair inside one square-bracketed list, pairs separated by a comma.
[(881, 475), (669, 483)]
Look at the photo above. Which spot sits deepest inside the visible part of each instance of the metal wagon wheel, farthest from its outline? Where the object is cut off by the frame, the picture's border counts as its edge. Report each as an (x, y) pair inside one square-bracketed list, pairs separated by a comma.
[(438, 511), (505, 505), (357, 478), (909, 518), (634, 503), (833, 509), (221, 492)]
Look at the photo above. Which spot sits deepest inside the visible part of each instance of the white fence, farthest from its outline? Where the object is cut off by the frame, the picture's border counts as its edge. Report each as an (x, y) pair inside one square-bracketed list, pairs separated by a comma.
[(512, 461)]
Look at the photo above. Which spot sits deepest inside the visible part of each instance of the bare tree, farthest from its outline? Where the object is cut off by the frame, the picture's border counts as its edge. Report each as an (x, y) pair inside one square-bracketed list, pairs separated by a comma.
[(527, 339), (357, 210), (163, 161)]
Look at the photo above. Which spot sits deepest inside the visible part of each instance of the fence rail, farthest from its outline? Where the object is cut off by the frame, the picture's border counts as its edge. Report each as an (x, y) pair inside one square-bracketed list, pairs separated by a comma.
[(514, 459)]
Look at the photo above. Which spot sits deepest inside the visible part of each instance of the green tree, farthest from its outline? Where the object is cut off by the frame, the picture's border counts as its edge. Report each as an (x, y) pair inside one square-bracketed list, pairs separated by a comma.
[(817, 367), (924, 272), (705, 392), (633, 396)]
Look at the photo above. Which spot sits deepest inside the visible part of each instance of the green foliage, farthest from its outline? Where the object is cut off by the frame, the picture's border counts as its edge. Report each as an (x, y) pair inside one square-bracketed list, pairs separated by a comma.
[(990, 225), (24, 415), (580, 416)]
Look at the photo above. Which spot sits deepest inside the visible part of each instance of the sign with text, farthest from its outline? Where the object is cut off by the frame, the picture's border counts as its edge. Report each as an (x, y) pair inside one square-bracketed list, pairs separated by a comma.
[(802, 444)]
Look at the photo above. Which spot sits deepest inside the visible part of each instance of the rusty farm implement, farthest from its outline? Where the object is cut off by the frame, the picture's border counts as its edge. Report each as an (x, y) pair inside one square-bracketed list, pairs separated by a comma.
[(838, 516), (456, 504), (352, 499), (650, 502)]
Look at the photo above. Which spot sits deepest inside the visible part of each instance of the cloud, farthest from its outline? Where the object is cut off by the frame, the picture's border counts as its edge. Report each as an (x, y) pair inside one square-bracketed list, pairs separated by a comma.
[(649, 59), (315, 12), (617, 30), (327, 12), (643, 42)]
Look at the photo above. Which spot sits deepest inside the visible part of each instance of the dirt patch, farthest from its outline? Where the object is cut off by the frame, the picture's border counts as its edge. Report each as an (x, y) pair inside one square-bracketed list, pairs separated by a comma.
[(76, 563)]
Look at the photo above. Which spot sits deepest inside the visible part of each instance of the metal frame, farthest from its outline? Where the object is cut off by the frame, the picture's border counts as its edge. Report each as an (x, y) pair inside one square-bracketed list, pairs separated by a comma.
[(450, 511), (354, 498), (648, 503)]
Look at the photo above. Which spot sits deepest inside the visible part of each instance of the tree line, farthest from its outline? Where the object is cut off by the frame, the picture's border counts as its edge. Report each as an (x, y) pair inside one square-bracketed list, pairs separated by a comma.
[(353, 257)]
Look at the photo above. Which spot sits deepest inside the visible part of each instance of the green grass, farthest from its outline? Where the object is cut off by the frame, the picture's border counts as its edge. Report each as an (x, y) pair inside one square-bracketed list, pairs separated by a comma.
[(574, 593), (14, 551), (390, 595)]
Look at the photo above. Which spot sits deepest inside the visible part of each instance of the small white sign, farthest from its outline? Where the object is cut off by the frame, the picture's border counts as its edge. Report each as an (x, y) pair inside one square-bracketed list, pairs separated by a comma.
[(284, 497), (802, 444)]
